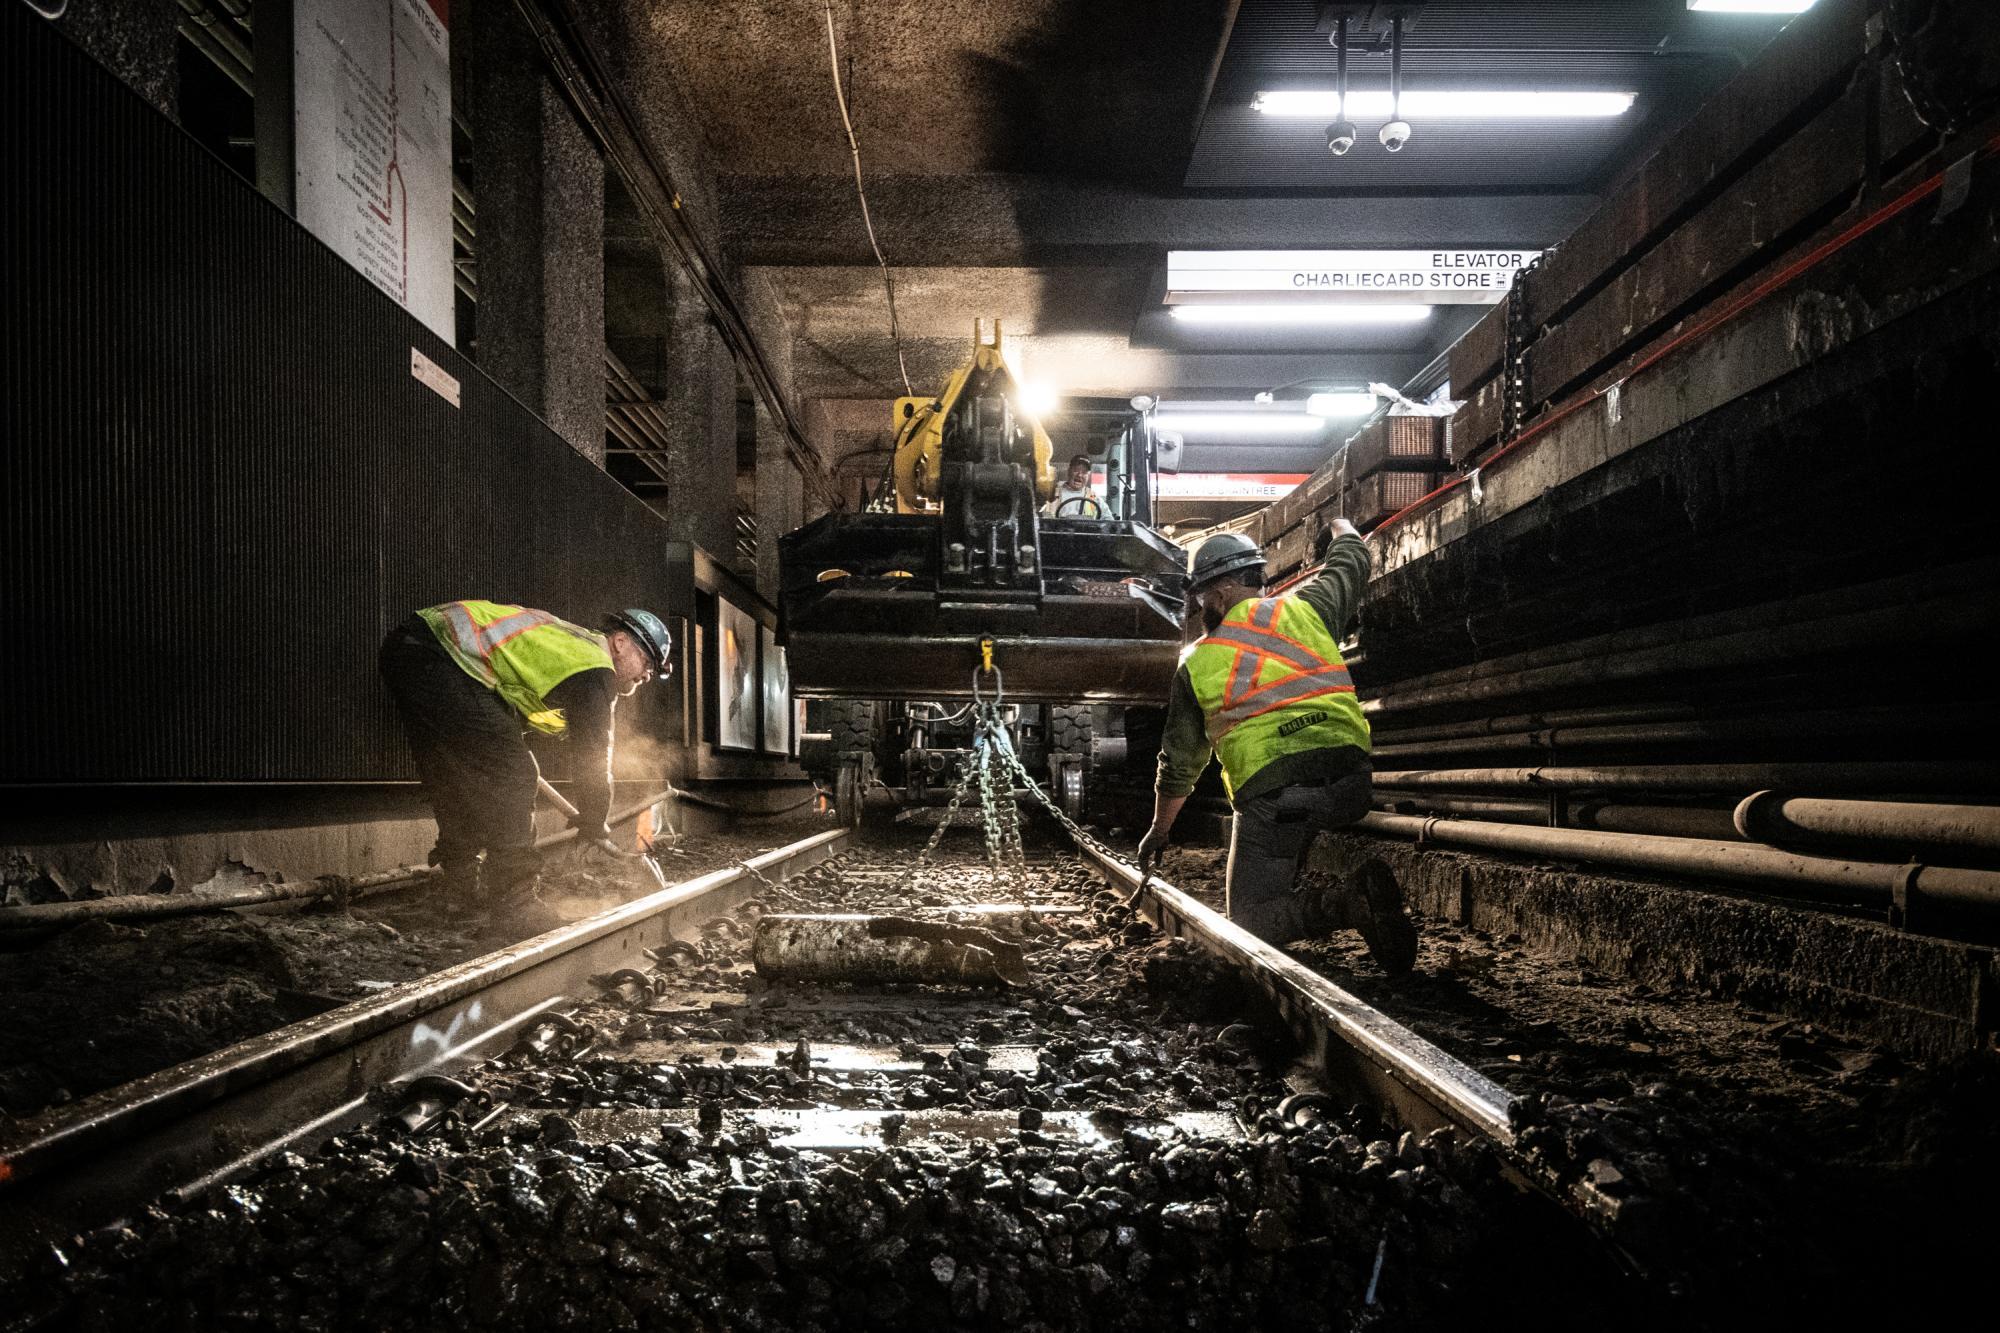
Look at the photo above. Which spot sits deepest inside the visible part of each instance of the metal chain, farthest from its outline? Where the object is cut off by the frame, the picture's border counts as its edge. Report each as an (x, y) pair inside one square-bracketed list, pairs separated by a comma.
[(1048, 803), (958, 795), (989, 809)]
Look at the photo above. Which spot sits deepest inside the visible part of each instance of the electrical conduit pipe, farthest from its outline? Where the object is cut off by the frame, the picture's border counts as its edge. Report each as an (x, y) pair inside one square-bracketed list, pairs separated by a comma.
[(1773, 817), (1898, 886)]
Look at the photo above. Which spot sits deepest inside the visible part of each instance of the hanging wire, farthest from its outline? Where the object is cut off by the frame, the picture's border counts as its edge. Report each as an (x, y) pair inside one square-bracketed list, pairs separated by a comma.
[(861, 193)]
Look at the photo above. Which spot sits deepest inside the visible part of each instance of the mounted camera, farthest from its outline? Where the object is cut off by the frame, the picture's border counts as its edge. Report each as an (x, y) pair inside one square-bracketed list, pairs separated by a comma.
[(1340, 137)]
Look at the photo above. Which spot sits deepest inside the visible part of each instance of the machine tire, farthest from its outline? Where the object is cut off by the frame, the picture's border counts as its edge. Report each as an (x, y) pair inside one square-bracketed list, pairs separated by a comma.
[(1071, 727), (853, 724), (848, 791)]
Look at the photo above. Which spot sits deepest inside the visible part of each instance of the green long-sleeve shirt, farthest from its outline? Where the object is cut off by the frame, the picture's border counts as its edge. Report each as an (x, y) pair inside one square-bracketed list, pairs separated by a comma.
[(1184, 747)]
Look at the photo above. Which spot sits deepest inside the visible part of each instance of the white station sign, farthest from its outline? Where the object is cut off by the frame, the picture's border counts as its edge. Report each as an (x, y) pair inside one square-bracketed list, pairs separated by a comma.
[(1436, 277)]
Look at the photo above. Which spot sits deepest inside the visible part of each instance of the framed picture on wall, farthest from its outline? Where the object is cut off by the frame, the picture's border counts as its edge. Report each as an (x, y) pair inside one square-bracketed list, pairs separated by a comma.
[(736, 677), (777, 694)]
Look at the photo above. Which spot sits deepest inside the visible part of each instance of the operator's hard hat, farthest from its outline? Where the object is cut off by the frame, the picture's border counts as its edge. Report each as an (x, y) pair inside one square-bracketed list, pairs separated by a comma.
[(651, 632), (1223, 554)]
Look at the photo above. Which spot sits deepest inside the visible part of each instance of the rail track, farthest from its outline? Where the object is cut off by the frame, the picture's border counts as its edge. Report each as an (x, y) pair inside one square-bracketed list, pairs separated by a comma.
[(1117, 1100)]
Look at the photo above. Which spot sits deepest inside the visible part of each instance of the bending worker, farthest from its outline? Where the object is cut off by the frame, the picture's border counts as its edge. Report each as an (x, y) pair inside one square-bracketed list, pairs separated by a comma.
[(467, 678), (1266, 690)]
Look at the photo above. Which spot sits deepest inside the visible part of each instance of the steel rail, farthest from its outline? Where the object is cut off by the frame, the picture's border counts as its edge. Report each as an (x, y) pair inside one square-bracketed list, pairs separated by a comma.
[(1345, 1041), (184, 1128)]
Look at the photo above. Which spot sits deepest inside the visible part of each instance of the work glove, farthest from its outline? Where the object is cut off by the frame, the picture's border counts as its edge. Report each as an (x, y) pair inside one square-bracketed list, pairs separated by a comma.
[(1150, 847)]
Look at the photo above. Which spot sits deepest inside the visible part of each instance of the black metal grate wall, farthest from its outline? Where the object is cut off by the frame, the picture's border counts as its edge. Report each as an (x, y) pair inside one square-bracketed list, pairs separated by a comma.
[(220, 482)]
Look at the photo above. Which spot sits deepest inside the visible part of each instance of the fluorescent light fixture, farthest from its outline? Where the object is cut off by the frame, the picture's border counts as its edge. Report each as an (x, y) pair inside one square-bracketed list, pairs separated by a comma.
[(1750, 6), (1036, 398), (1447, 104), (1349, 404), (1301, 312), (1239, 423)]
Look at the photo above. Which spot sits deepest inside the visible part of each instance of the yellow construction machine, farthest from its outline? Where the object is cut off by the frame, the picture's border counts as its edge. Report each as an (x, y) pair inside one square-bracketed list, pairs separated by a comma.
[(954, 572)]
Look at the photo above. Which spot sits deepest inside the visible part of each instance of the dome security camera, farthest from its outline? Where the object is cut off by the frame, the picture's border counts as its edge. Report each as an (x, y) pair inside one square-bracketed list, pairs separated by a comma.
[(1395, 134), (1340, 137)]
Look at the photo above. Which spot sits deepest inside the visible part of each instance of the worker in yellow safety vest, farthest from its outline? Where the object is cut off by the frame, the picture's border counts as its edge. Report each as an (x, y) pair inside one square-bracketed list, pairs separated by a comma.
[(1266, 691), (469, 679)]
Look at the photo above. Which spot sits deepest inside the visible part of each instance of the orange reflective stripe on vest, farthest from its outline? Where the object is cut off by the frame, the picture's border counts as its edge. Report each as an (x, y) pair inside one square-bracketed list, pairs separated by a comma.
[(481, 640), (517, 651), (1243, 698), (1271, 682)]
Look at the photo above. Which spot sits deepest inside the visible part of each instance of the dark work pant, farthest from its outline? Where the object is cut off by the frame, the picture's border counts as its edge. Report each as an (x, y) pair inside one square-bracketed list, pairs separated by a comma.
[(478, 773), (1269, 837)]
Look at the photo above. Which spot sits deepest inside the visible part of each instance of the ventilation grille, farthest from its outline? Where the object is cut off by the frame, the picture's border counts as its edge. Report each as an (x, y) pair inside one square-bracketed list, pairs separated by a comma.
[(220, 482)]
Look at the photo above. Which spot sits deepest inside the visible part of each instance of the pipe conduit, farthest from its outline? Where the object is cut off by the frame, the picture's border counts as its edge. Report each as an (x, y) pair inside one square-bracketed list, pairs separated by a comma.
[(1673, 821), (1836, 724), (151, 906), (1949, 618), (1773, 817), (1937, 775), (1898, 887)]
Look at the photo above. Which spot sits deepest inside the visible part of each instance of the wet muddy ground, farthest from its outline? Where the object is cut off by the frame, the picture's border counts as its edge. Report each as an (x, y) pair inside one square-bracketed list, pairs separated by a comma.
[(1765, 1169), (1753, 1172), (613, 1187), (103, 1003)]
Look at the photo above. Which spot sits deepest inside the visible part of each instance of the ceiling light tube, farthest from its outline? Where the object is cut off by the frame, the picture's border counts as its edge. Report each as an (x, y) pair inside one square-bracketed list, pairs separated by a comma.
[(1750, 6), (1301, 312), (1347, 404), (1239, 423), (1447, 104)]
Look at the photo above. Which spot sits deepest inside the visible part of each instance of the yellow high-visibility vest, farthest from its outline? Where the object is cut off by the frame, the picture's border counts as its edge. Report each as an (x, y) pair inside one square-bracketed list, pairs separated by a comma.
[(518, 652), (1271, 682)]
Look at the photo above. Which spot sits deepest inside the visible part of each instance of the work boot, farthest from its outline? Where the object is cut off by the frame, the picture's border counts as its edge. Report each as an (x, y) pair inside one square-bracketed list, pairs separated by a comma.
[(519, 911), (457, 882), (1373, 905)]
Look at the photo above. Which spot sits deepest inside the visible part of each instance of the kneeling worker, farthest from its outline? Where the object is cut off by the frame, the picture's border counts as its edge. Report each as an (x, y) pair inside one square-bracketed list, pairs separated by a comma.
[(467, 677), (1267, 691)]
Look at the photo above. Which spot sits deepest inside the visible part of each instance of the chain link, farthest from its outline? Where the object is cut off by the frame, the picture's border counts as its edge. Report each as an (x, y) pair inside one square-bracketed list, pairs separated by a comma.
[(958, 795), (1054, 808)]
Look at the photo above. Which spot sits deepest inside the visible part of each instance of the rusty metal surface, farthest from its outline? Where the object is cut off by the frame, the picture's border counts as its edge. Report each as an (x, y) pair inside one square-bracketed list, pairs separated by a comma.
[(185, 1126), (857, 947), (822, 1130), (1346, 1042), (821, 1057)]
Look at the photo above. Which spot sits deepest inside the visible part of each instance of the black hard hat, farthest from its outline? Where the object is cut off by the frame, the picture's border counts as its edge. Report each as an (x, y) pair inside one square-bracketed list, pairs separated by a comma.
[(651, 633), (1221, 555)]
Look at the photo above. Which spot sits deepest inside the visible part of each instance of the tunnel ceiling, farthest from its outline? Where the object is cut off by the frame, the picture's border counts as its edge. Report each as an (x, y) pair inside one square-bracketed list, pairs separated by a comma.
[(1034, 160)]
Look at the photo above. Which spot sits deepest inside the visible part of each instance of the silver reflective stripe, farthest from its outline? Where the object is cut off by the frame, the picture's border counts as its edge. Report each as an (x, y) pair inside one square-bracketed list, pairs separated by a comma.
[(1265, 613), (466, 632), (1244, 678), (506, 627), (1268, 645), (1305, 685)]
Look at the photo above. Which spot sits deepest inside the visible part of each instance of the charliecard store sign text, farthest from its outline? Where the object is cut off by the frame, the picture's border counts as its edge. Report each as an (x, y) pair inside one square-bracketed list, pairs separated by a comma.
[(1440, 277)]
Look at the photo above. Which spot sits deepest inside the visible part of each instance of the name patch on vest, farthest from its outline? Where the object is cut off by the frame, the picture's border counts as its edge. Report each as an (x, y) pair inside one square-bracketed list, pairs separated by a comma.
[(1301, 722)]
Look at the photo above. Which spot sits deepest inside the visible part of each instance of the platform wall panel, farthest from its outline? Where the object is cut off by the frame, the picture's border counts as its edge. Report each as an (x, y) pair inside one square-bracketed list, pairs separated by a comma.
[(220, 482)]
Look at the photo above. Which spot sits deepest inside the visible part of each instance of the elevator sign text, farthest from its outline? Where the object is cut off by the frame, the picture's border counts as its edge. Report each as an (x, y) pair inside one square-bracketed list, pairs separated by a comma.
[(1437, 277)]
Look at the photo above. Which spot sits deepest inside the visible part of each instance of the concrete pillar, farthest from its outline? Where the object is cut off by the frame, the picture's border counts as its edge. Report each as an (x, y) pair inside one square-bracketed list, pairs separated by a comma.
[(540, 186), (700, 406), (134, 39), (779, 493)]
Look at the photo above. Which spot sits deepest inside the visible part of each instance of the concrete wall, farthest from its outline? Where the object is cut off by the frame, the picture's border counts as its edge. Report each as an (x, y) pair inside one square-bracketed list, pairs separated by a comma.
[(1922, 997), (540, 189), (134, 39)]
